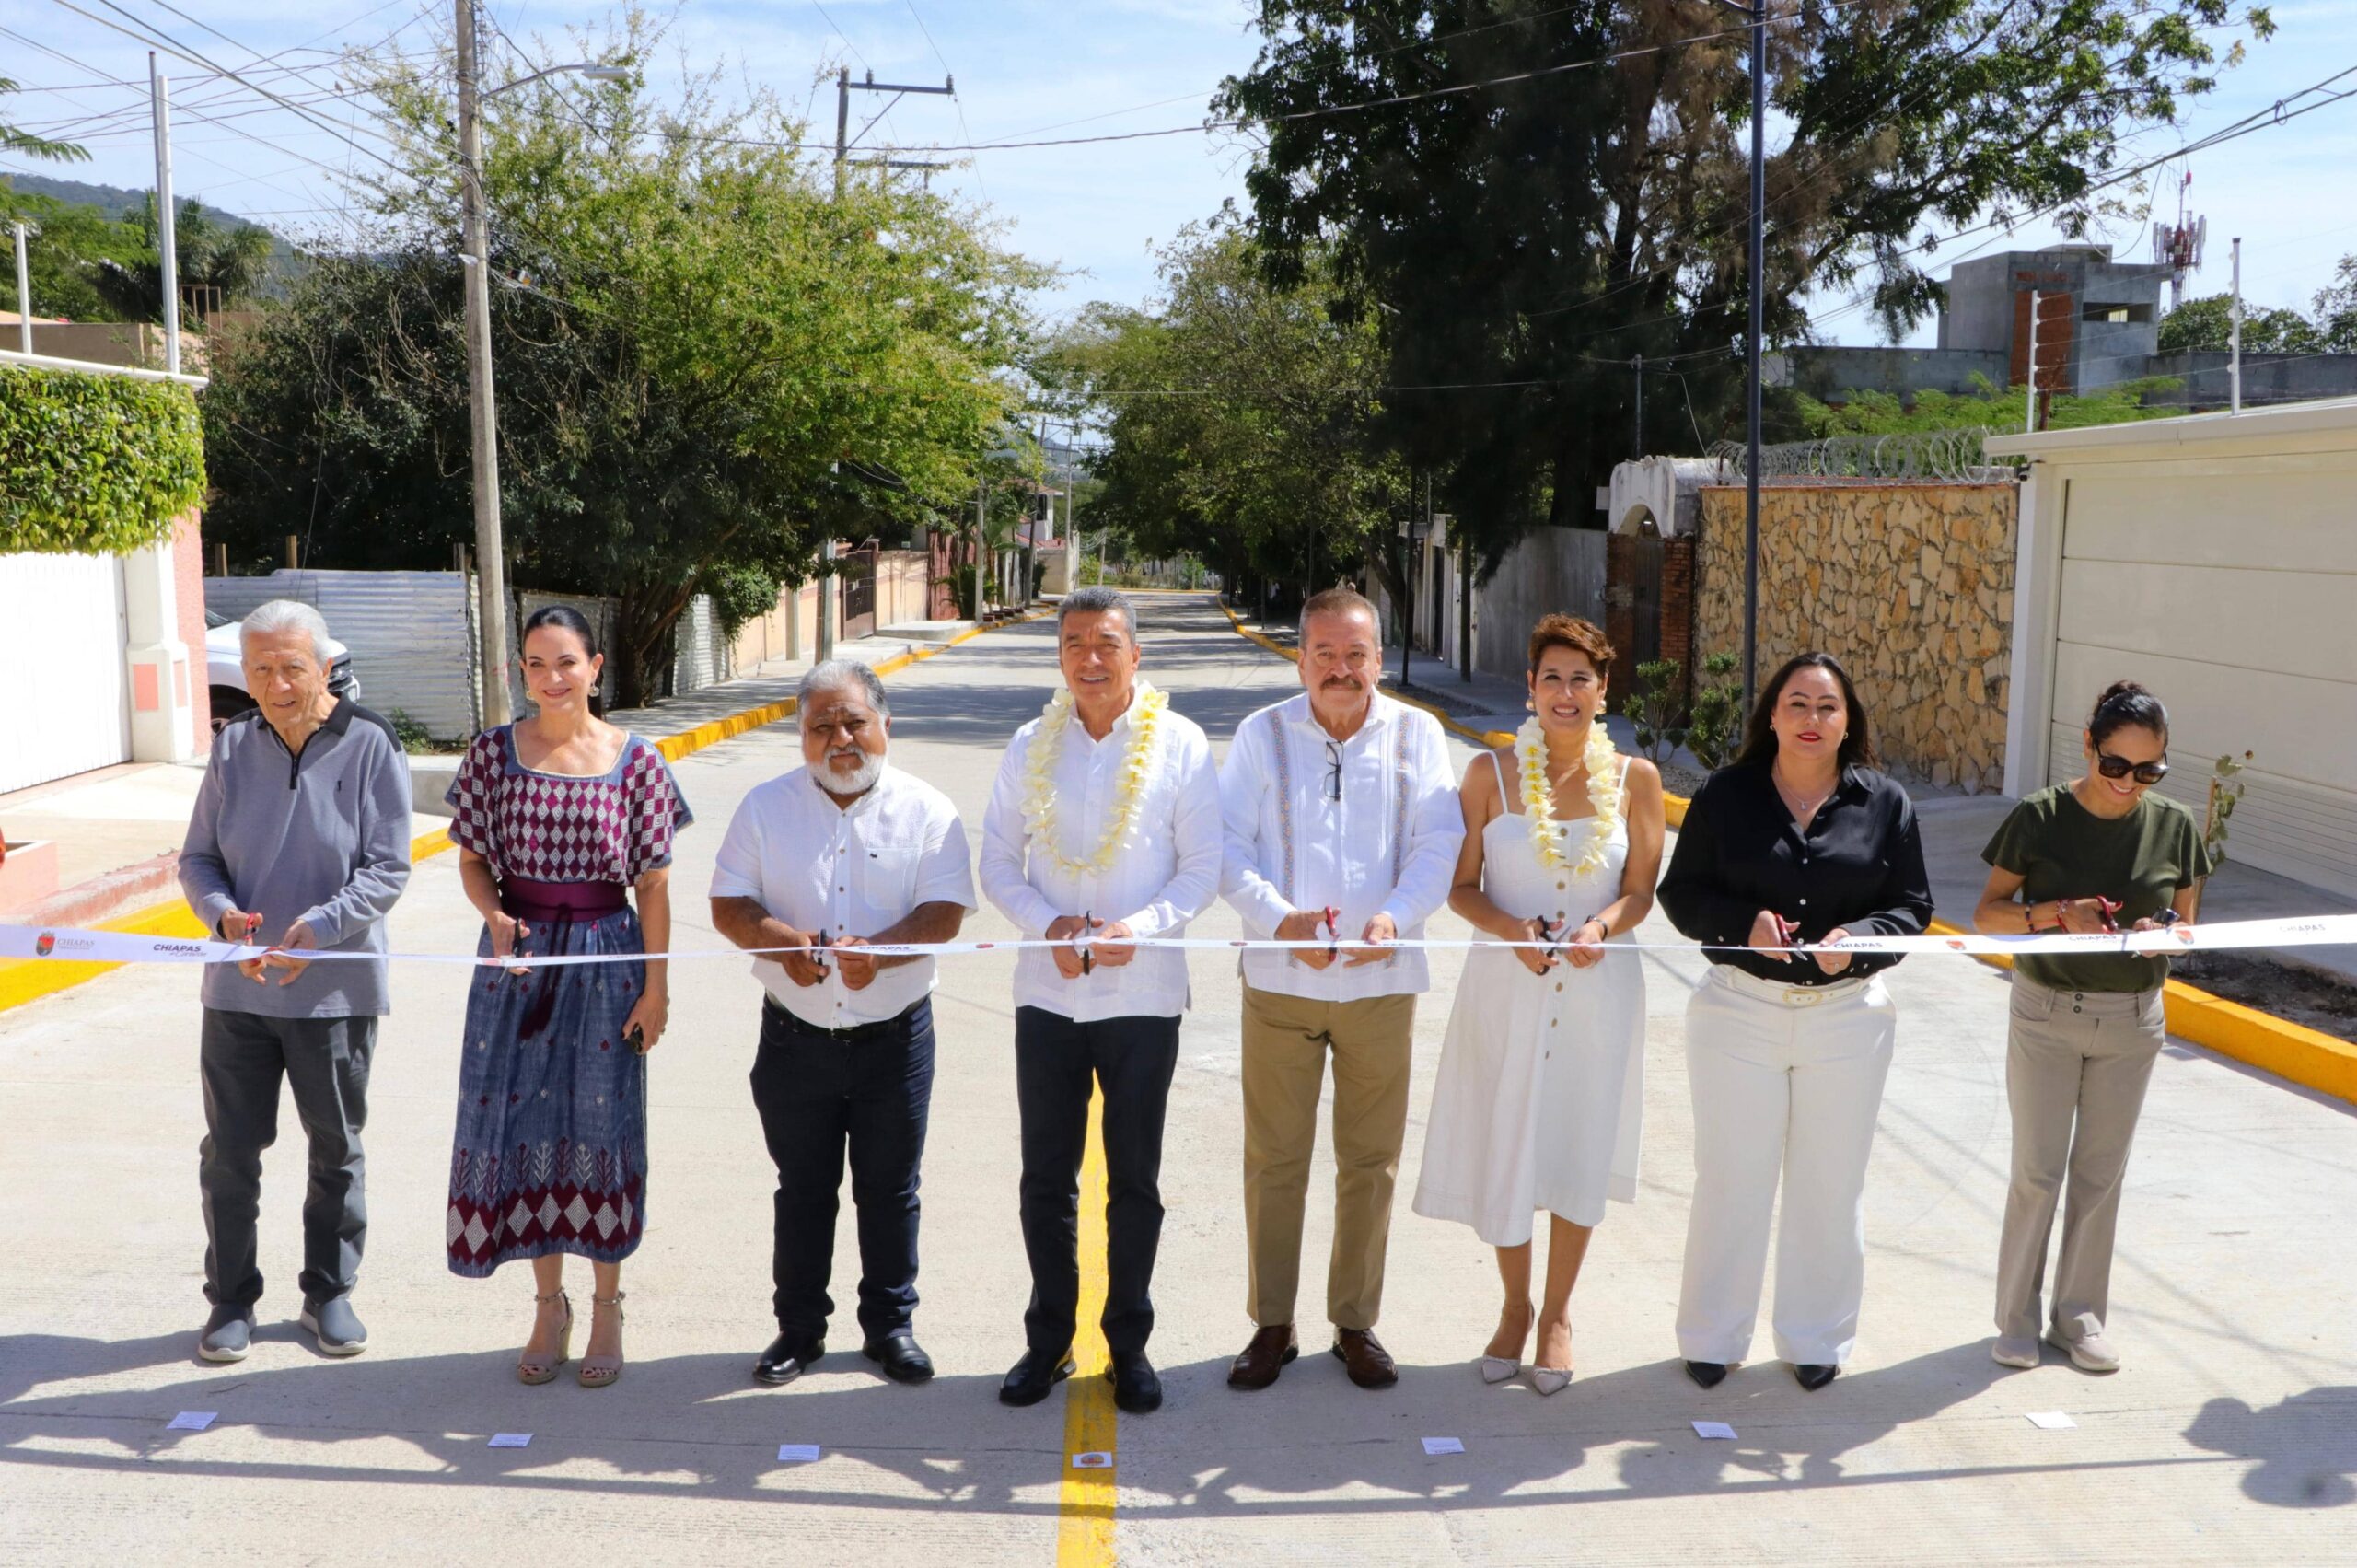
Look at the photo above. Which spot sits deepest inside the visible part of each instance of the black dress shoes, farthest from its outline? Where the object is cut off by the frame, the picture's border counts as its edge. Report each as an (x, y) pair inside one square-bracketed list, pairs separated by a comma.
[(1810, 1376), (1135, 1387), (1709, 1374), (1031, 1379), (788, 1357), (900, 1358)]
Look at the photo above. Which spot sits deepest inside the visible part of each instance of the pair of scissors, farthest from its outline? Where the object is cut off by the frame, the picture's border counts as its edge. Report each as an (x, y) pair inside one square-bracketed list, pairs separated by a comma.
[(820, 943), (1334, 930), (1088, 924)]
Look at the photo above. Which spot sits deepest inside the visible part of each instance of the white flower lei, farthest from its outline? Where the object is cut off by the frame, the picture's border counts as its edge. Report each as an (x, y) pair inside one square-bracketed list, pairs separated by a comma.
[(1039, 778), (1547, 834)]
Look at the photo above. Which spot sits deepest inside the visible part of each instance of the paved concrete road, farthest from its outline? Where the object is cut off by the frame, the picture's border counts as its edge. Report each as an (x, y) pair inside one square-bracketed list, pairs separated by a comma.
[(2232, 1436)]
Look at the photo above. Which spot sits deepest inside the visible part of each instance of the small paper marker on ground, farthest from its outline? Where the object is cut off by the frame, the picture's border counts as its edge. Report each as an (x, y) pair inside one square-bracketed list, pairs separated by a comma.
[(1444, 1446), (511, 1439), (798, 1453), (1095, 1459), (2051, 1421), (1718, 1429), (191, 1420)]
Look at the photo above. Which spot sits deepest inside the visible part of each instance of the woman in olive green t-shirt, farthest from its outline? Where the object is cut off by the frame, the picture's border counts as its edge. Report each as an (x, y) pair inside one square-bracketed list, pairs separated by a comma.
[(2100, 854)]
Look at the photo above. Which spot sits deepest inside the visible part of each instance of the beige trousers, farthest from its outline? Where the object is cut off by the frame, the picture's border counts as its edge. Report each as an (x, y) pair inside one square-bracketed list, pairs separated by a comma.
[(1286, 1041), (2076, 1067)]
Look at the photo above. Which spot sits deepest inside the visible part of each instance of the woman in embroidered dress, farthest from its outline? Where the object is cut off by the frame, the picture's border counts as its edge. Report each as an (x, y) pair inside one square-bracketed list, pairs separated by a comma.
[(557, 817), (1541, 1075)]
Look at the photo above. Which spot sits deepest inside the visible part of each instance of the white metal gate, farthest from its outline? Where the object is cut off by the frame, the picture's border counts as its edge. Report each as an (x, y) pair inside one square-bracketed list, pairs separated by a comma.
[(65, 689)]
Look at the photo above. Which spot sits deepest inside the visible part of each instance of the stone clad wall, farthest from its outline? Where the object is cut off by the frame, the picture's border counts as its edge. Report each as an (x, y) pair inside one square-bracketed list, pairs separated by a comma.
[(1910, 585)]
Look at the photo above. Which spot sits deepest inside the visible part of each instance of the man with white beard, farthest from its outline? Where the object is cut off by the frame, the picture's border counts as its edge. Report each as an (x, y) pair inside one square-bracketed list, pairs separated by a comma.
[(843, 852)]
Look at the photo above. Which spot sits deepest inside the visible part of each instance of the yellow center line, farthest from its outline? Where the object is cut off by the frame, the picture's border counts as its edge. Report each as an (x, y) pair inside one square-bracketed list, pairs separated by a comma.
[(1084, 1497)]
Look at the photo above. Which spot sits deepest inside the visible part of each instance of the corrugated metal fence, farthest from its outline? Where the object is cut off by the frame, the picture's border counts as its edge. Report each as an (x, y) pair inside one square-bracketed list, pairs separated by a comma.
[(413, 637)]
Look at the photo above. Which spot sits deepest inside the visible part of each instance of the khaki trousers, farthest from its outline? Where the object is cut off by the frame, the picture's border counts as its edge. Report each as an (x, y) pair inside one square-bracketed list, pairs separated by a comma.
[(1286, 1040), (2077, 1066)]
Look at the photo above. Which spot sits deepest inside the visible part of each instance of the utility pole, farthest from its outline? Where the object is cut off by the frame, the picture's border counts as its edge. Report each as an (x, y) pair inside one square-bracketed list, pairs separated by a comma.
[(1639, 447), (166, 248), (2235, 338), (2029, 392), (490, 552), (1465, 605), (1755, 271), (24, 292), (844, 87)]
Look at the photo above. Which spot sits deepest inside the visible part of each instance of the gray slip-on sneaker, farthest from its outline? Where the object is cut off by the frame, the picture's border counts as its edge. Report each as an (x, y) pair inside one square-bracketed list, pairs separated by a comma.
[(2018, 1351), (228, 1333), (336, 1326), (2083, 1340)]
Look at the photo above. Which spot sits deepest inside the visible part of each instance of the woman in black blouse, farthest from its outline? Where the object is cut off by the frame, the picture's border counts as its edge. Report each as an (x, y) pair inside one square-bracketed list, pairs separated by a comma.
[(1797, 842)]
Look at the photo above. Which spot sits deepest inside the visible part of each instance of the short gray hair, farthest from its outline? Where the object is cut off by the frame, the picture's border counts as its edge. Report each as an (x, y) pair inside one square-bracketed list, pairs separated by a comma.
[(281, 615), (838, 674), (1097, 600)]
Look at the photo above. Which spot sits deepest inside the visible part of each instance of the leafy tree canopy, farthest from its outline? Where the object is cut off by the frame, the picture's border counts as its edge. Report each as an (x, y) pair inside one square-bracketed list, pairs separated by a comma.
[(64, 256), (1529, 223), (1987, 406), (704, 359), (2208, 322)]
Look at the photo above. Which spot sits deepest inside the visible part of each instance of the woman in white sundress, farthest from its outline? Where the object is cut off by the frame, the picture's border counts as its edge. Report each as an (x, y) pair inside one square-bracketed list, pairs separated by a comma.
[(1536, 1105)]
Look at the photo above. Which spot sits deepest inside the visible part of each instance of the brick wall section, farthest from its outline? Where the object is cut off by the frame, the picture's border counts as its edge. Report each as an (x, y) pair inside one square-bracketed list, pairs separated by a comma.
[(1910, 585), (1678, 574)]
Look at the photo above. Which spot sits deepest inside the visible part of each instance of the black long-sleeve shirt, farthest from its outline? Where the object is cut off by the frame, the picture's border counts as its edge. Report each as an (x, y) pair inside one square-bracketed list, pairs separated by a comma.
[(1859, 865)]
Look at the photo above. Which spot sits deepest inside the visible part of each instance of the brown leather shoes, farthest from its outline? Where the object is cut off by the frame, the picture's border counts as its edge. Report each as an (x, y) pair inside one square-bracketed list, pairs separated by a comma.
[(1369, 1363), (1266, 1356)]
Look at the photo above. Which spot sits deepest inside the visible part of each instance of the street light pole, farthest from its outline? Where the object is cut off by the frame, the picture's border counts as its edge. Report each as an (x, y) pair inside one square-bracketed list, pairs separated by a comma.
[(491, 558), (166, 244), (1756, 285)]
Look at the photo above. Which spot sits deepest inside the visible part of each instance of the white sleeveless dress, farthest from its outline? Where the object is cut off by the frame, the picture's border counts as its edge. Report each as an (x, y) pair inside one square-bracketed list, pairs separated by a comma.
[(1539, 1094)]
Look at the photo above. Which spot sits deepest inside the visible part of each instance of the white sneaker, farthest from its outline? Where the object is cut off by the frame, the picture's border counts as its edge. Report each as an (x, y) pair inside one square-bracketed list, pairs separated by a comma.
[(2018, 1351), (2083, 1340)]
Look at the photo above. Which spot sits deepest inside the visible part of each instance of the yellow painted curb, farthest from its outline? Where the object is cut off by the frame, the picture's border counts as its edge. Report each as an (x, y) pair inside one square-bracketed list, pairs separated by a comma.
[(2291, 1051), (24, 980), (1084, 1497)]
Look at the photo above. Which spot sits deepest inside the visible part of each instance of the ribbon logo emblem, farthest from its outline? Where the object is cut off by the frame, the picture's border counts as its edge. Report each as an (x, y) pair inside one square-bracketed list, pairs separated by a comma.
[(45, 944)]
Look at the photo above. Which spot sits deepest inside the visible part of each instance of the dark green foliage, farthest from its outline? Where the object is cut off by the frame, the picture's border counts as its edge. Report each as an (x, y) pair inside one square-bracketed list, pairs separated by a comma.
[(94, 463)]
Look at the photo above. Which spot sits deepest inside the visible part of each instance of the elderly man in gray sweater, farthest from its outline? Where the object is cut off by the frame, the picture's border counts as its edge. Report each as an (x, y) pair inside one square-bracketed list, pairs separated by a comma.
[(299, 840)]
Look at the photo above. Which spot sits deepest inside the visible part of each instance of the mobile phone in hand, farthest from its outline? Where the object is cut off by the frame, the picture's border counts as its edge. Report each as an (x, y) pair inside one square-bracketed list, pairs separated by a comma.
[(636, 1039)]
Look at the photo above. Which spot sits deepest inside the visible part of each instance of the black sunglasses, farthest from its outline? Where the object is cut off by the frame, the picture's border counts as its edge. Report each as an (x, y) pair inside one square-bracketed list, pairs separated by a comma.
[(2113, 767)]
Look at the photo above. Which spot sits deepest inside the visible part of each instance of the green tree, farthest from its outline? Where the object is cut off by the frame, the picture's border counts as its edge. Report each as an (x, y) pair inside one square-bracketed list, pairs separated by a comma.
[(219, 265), (2208, 324), (1529, 223), (1238, 417), (704, 360), (69, 241), (2336, 310), (1986, 407)]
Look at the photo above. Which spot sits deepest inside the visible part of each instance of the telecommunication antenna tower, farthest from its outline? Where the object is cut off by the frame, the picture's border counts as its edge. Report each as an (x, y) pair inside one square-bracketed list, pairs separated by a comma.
[(2177, 245)]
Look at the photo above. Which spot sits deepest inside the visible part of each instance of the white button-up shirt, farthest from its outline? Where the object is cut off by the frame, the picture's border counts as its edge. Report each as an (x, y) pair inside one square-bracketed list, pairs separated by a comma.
[(849, 871), (1388, 846), (1163, 875)]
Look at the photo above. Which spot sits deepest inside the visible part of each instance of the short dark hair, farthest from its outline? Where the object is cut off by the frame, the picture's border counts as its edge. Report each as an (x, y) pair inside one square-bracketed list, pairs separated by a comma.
[(565, 618), (1569, 631), (2124, 704), (1338, 601), (1759, 736), (1097, 600)]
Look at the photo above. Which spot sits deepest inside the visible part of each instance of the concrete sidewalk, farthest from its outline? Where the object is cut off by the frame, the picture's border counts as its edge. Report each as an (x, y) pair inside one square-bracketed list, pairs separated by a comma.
[(2230, 1438)]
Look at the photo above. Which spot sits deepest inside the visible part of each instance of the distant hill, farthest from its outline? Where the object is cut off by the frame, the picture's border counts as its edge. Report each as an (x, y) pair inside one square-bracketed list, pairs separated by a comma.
[(117, 203)]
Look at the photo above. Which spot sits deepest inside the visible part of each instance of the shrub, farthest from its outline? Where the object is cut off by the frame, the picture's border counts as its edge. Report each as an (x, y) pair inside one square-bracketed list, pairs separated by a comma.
[(94, 464)]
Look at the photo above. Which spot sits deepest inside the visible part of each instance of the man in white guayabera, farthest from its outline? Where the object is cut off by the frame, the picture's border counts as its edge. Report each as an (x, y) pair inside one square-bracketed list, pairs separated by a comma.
[(1341, 823), (1105, 823), (300, 841)]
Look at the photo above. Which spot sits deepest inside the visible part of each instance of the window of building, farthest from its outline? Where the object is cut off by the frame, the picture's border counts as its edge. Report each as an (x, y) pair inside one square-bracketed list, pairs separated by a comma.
[(2119, 314)]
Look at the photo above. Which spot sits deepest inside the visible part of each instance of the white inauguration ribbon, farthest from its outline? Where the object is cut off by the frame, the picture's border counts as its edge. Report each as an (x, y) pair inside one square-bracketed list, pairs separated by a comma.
[(70, 943)]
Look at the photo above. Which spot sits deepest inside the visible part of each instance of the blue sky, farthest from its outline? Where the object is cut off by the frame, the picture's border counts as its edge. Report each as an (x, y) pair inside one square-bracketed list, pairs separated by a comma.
[(1027, 67)]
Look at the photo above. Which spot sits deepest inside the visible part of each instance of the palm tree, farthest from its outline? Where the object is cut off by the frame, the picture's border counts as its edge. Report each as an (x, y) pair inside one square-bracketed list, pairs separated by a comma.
[(219, 265)]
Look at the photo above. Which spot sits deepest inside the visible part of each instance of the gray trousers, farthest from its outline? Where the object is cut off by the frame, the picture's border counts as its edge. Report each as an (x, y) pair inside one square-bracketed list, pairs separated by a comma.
[(241, 1057), (2076, 1067)]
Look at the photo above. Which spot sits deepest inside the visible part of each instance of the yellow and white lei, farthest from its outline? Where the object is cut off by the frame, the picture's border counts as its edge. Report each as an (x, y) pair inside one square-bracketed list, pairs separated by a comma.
[(1547, 834), (1039, 778)]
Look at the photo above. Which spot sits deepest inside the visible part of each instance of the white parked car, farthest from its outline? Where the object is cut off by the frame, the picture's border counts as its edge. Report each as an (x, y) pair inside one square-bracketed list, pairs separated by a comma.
[(224, 663)]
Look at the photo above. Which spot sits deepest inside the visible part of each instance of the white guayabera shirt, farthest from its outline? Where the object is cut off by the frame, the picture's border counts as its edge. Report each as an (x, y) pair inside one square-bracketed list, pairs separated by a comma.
[(1164, 875), (849, 872), (1386, 846)]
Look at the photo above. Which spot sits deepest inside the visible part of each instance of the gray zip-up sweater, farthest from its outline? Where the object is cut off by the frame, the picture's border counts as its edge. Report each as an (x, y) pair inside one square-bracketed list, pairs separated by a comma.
[(321, 836)]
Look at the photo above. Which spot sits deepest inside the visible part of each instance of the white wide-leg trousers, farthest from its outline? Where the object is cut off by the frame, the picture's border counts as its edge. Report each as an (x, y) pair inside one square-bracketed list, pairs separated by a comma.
[(1786, 1081)]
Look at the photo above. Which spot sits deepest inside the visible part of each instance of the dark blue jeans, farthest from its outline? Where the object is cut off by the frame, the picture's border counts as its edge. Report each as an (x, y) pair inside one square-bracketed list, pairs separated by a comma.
[(867, 1089), (241, 1059), (1131, 1062)]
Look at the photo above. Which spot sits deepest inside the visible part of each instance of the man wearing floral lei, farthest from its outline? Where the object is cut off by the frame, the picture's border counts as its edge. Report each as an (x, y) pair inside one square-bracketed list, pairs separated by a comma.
[(1104, 826), (1342, 827)]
